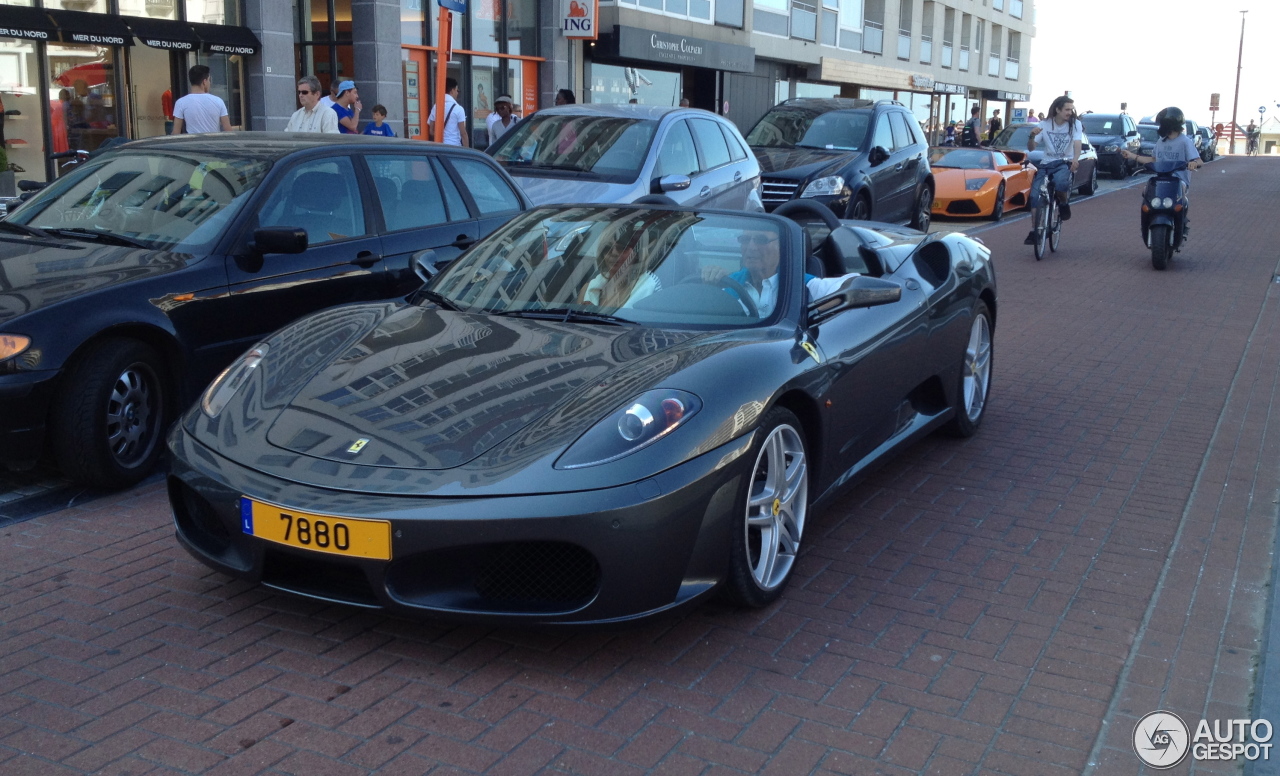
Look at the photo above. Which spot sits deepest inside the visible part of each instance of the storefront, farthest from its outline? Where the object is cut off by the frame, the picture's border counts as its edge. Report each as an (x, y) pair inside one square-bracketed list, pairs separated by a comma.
[(76, 79), (629, 64), (495, 47)]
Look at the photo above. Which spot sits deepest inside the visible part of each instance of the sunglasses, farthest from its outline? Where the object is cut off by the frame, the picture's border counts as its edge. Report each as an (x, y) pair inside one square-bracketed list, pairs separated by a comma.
[(758, 239), (304, 91)]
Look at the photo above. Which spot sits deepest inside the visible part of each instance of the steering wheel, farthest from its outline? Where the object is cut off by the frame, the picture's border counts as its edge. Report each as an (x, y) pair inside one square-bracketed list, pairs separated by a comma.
[(809, 207), (729, 283)]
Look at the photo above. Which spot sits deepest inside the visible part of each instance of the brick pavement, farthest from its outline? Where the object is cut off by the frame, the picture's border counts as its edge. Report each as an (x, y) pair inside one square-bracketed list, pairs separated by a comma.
[(972, 607)]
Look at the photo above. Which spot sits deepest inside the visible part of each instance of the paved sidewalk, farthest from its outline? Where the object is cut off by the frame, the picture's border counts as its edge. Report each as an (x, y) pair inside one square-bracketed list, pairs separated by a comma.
[(973, 607)]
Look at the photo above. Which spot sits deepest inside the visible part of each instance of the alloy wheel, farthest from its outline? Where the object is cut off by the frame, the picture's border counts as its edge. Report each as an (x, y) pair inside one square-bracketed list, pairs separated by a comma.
[(977, 367), (776, 507)]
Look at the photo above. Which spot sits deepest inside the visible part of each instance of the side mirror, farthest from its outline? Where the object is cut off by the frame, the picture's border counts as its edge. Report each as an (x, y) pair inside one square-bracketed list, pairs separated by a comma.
[(426, 265), (673, 183), (1085, 146), (1132, 133), (279, 240), (877, 155), (856, 293)]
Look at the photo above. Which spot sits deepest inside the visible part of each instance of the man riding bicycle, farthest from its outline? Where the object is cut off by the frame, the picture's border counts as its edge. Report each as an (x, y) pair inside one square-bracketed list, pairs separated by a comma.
[(1061, 134)]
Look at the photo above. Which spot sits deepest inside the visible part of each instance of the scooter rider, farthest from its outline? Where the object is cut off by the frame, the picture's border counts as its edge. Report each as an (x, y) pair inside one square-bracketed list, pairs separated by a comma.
[(1173, 147), (1063, 136)]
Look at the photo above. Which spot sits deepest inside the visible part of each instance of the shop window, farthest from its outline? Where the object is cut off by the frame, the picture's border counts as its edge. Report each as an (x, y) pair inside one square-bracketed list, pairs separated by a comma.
[(486, 74), (21, 92), (613, 84), (148, 82), (85, 114), (413, 23)]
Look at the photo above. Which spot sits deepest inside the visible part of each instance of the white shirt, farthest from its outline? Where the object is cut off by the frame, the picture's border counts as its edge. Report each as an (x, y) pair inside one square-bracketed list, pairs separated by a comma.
[(1057, 139), (319, 119), (326, 101), (767, 297), (200, 112), (647, 285), (454, 115), (496, 130)]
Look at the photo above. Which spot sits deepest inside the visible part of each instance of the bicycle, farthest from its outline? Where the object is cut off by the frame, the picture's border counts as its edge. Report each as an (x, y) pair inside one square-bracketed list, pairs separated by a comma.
[(1252, 149), (1047, 219)]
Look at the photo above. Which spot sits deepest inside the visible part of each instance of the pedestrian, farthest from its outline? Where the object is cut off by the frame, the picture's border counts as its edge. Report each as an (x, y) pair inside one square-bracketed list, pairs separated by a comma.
[(502, 119), (311, 117), (565, 97), (971, 132), (994, 126), (455, 117), (1040, 116), (951, 134), (379, 125), (348, 107), (330, 97), (200, 112)]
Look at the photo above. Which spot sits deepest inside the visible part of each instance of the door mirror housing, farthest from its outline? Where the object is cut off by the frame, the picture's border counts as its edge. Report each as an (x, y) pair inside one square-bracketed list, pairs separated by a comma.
[(673, 183), (427, 264), (858, 292), (279, 240), (877, 155)]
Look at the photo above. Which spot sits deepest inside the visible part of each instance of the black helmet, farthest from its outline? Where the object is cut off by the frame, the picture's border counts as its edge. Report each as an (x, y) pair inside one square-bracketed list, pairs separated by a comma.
[(1170, 121)]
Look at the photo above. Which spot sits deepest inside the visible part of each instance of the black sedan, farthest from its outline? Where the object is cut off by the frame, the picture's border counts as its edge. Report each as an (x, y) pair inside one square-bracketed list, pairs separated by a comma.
[(128, 283), (1014, 138), (596, 414)]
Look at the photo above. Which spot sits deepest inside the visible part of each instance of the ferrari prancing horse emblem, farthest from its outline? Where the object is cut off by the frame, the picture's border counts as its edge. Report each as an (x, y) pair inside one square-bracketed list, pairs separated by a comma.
[(357, 445)]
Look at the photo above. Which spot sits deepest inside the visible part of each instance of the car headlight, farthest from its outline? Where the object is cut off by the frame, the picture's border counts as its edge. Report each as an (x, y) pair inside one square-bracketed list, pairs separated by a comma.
[(974, 184), (641, 422), (232, 379), (12, 345), (829, 186), (1111, 149)]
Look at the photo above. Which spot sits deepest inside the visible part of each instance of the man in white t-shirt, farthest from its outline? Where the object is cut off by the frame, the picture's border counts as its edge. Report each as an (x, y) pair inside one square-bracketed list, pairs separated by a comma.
[(1062, 136), (455, 117), (200, 112)]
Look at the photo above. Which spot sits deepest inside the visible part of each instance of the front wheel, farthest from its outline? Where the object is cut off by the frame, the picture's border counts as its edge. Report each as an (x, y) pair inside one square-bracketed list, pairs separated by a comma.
[(975, 376), (924, 210), (859, 209), (1042, 229), (1160, 247), (1089, 188), (1055, 227), (771, 513), (997, 212)]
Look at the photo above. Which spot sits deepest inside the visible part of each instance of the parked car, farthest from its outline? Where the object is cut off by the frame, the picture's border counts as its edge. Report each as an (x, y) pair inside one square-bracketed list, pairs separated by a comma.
[(1147, 133), (619, 153), (1014, 138), (499, 447), (980, 181), (128, 283), (1110, 134), (1208, 143), (863, 159)]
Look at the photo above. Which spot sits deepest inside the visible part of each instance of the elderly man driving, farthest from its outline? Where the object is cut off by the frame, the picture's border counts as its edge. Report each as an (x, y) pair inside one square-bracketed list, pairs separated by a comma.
[(761, 255)]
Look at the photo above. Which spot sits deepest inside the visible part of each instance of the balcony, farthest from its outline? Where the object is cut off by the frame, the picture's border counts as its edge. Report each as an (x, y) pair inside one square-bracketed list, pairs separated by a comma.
[(993, 65), (946, 54), (1015, 8), (1011, 69), (964, 57), (872, 37), (926, 49), (904, 44)]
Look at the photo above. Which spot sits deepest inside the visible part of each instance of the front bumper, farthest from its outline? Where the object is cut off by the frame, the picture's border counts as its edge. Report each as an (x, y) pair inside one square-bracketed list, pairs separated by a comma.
[(587, 557), (24, 407)]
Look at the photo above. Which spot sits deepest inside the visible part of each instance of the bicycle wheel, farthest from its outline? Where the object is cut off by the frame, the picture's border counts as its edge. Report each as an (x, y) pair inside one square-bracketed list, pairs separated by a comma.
[(1042, 229), (1055, 227)]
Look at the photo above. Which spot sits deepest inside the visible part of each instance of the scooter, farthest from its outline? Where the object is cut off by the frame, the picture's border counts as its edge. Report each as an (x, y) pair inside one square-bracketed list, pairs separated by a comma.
[(1164, 213)]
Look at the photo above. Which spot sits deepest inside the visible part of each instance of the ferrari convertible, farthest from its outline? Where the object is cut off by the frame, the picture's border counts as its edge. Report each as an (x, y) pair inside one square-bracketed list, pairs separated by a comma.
[(595, 414), (980, 182)]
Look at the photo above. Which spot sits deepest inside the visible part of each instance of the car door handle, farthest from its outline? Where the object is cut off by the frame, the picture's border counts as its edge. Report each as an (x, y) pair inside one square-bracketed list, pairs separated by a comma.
[(366, 259), (737, 176), (706, 191), (898, 166), (463, 241)]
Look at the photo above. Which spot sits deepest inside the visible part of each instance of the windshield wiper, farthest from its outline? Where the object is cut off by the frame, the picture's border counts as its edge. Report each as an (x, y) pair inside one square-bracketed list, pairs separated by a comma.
[(33, 231), (110, 237), (567, 315), (439, 299)]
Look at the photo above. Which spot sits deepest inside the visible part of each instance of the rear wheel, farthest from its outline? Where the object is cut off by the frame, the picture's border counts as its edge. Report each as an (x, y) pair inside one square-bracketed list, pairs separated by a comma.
[(1092, 186), (924, 210), (975, 376), (1055, 227), (998, 212), (1160, 247), (773, 509)]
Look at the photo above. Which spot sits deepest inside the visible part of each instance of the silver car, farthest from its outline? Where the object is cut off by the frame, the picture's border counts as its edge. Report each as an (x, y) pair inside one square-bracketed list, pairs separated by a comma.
[(619, 153)]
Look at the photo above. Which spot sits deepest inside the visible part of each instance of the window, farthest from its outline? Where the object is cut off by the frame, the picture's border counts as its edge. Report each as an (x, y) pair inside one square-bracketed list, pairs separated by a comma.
[(490, 192), (677, 156), (884, 135), (715, 152), (321, 197), (408, 192), (902, 137), (735, 148)]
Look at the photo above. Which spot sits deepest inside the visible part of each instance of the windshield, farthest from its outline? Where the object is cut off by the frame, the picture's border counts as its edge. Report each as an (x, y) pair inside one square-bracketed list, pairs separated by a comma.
[(166, 200), (604, 146), (962, 158), (1013, 137), (665, 268), (1101, 125), (1149, 134), (797, 127)]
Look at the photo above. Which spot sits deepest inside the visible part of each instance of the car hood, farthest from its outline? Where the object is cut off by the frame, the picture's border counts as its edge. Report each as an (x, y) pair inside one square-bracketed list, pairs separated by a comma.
[(1106, 140), (799, 163), (543, 190), (38, 273), (952, 181)]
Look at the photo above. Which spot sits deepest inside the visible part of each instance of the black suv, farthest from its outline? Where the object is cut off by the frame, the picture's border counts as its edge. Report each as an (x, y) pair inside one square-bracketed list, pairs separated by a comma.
[(863, 159), (1112, 133)]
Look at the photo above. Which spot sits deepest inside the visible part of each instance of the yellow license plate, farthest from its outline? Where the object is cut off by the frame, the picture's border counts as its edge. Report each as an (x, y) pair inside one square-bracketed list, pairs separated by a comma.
[(347, 536)]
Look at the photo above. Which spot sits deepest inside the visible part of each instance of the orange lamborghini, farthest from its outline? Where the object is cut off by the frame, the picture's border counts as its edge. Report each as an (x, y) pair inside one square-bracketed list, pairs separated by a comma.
[(979, 181)]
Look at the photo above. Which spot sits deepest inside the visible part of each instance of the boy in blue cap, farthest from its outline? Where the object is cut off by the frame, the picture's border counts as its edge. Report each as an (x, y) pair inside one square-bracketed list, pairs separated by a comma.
[(347, 106)]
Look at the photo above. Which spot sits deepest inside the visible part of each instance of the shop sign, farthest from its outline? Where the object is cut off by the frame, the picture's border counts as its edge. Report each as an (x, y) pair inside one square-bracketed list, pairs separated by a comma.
[(227, 48), (13, 32), (941, 88), (921, 82), (578, 19), (176, 45), (99, 40), (992, 94), (635, 43)]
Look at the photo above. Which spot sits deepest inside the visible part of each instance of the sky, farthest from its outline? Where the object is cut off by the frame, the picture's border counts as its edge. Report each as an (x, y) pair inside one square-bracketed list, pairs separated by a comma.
[(1154, 53)]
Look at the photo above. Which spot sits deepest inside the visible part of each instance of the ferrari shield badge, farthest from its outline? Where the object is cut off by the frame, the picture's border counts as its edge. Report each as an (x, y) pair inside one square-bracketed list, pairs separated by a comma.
[(357, 445), (811, 350)]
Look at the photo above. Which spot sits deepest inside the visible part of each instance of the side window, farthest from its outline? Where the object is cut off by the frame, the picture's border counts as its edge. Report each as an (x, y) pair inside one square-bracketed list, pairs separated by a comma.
[(490, 192), (452, 197), (902, 138), (883, 136), (736, 151), (408, 191), (715, 152), (677, 155), (1000, 158), (321, 197)]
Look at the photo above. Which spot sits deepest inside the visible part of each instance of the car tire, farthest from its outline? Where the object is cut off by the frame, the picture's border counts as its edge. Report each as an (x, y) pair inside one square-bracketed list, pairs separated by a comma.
[(1089, 188), (997, 212), (923, 213), (859, 209), (974, 390), (769, 517), (109, 415)]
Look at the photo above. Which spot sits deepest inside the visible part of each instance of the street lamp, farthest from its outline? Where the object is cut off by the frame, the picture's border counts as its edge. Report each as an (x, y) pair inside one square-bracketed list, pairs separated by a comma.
[(1235, 103)]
